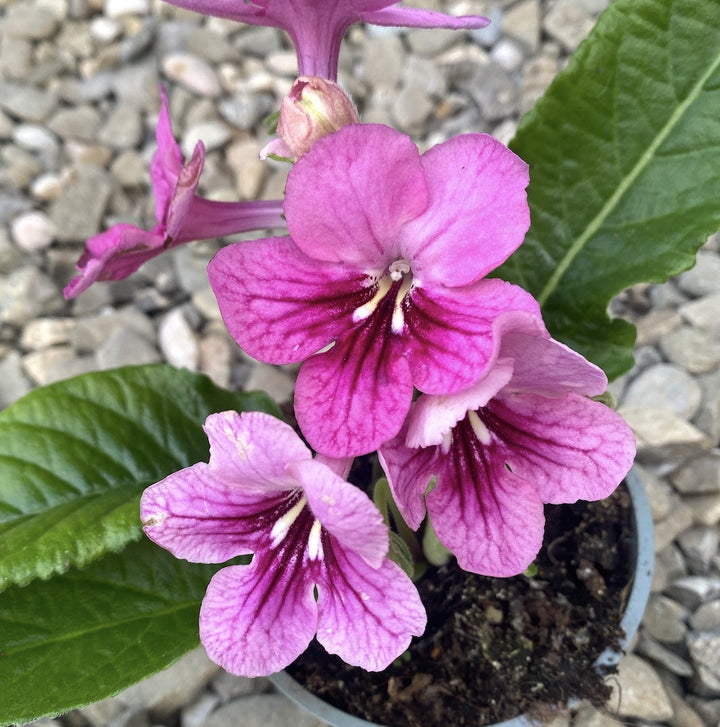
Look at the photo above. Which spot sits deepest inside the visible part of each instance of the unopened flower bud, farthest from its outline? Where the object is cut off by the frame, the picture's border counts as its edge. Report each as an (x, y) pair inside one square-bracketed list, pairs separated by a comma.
[(314, 108)]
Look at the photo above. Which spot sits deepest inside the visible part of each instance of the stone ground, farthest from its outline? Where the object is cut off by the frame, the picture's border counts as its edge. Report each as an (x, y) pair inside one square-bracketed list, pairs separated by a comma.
[(78, 105)]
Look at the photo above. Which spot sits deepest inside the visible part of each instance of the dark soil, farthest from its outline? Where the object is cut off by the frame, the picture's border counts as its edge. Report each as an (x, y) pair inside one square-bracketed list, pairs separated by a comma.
[(498, 647)]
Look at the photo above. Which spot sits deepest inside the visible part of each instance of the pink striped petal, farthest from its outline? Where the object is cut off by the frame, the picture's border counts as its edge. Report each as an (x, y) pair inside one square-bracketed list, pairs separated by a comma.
[(570, 448), (491, 519), (346, 512), (257, 619), (244, 450), (409, 472), (352, 398), (202, 518), (367, 615), (349, 196), (279, 305), (477, 214), (451, 336)]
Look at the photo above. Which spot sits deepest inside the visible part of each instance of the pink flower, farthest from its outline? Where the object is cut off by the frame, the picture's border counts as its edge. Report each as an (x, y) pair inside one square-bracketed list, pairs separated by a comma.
[(523, 435), (317, 26), (181, 216), (385, 262), (319, 545)]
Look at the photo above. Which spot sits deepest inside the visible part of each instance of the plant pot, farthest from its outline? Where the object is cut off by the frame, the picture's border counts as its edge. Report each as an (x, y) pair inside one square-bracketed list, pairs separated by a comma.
[(642, 549)]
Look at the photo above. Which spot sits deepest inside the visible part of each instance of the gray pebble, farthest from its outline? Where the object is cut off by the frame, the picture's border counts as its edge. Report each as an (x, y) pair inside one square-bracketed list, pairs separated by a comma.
[(704, 278), (703, 313), (29, 21), (262, 710), (664, 620), (652, 649), (494, 92), (81, 122), (693, 349), (13, 381), (707, 617), (122, 129), (700, 545), (665, 386), (28, 293), (27, 103), (522, 23), (78, 211), (567, 23), (692, 591), (698, 475), (124, 348), (708, 416), (56, 363)]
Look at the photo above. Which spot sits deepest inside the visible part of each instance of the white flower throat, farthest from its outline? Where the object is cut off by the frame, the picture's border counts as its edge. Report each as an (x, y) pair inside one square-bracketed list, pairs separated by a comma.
[(397, 272)]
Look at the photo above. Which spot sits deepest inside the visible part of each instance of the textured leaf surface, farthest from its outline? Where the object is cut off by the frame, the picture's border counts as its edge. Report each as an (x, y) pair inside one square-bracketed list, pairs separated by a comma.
[(624, 154), (87, 634), (75, 457)]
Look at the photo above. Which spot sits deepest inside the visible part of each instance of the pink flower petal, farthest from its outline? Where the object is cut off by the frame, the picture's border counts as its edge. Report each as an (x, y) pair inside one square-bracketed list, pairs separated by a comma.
[(409, 472), (490, 518), (202, 518), (166, 162), (547, 367), (432, 417), (178, 206), (257, 619), (346, 512), (244, 450), (280, 305), (451, 337), (477, 214), (113, 255), (570, 448), (352, 398), (367, 616), (349, 196)]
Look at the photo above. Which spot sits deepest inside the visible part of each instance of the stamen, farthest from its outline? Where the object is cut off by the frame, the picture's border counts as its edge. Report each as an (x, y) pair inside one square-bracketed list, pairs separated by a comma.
[(282, 526), (398, 318), (315, 551), (446, 442), (367, 309), (481, 431)]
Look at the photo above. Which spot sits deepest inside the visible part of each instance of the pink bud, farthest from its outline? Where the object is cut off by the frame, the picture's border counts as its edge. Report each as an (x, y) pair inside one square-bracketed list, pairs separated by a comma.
[(314, 108)]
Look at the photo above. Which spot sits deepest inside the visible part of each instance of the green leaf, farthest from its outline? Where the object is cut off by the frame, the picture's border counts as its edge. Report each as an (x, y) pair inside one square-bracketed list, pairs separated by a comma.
[(75, 457), (87, 634), (399, 553), (624, 154)]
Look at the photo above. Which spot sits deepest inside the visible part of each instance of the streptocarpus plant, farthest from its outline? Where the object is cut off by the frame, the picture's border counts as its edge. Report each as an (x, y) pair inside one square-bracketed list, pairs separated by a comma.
[(426, 329)]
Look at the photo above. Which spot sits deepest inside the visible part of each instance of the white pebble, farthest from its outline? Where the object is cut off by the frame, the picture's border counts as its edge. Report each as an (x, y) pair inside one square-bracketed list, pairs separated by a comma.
[(193, 73), (32, 231), (118, 8)]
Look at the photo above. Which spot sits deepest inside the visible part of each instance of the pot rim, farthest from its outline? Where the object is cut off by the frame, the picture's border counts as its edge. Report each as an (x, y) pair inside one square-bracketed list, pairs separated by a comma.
[(637, 600)]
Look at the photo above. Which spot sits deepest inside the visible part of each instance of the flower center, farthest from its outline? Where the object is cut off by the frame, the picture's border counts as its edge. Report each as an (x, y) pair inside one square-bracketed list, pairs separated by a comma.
[(296, 528), (397, 281)]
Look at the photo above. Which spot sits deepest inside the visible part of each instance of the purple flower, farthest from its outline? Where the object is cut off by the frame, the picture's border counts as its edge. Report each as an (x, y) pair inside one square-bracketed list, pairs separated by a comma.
[(524, 435), (317, 26), (181, 216), (385, 262), (319, 547)]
